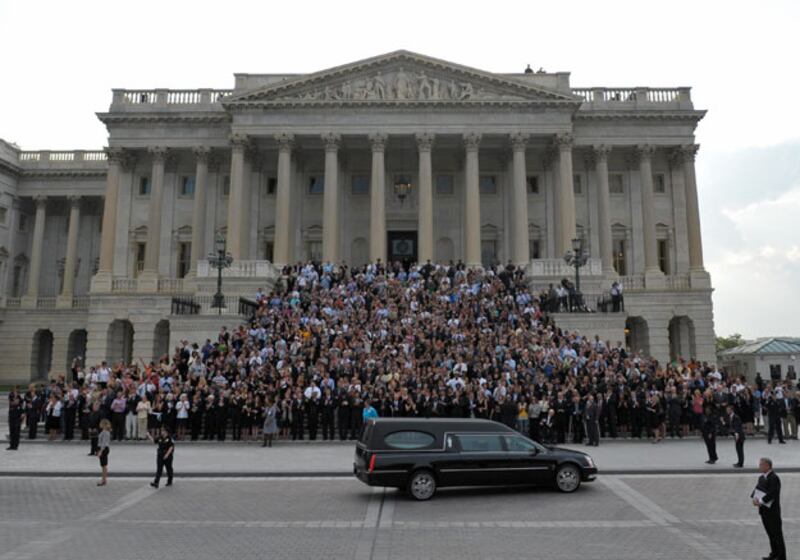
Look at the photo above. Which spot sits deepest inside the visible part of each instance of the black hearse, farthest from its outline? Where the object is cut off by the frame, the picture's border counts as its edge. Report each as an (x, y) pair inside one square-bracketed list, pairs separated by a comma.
[(423, 454)]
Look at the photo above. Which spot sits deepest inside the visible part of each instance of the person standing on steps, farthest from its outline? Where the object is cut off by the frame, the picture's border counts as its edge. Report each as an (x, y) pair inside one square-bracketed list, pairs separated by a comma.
[(164, 456), (736, 429)]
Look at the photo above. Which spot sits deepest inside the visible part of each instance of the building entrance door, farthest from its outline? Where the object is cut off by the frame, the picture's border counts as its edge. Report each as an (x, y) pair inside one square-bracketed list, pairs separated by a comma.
[(402, 246)]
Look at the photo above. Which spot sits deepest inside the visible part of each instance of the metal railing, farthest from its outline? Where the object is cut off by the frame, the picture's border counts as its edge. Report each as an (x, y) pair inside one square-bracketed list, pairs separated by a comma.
[(185, 306)]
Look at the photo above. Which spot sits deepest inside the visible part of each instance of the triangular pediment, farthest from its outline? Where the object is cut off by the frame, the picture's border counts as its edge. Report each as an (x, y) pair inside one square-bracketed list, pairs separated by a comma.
[(400, 78)]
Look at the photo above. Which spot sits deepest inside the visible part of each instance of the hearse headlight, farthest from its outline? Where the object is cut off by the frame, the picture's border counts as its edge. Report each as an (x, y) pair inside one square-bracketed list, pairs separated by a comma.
[(589, 461)]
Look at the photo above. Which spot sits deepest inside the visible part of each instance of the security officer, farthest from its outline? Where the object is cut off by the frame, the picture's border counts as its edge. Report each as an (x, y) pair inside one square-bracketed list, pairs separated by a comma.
[(709, 429), (164, 456), (14, 420)]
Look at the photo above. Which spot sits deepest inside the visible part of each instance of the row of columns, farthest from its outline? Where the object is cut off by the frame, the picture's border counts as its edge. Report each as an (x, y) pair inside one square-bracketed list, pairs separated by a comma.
[(238, 204)]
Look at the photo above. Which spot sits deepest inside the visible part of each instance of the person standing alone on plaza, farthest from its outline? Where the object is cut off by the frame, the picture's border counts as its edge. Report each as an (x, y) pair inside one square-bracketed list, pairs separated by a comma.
[(709, 429), (767, 498), (14, 420), (164, 455), (103, 449), (735, 428), (270, 423)]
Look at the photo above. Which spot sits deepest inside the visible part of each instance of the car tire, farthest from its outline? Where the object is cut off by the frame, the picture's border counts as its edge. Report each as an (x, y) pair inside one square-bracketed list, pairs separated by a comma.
[(568, 478), (421, 485)]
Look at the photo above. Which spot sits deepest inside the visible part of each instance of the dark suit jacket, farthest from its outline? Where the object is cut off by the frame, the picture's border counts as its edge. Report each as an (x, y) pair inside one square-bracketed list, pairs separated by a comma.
[(736, 425), (770, 484)]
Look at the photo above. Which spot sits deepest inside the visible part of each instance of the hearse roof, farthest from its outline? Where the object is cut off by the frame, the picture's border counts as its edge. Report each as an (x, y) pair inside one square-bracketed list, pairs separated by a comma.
[(439, 425)]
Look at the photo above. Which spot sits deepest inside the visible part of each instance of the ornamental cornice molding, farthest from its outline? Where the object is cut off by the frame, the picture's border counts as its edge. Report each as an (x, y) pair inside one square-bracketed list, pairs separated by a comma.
[(10, 167), (63, 173), (694, 116), (389, 103), (115, 118)]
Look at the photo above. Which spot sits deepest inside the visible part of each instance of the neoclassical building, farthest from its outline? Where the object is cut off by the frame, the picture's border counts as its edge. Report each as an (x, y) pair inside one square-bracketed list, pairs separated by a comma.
[(400, 156)]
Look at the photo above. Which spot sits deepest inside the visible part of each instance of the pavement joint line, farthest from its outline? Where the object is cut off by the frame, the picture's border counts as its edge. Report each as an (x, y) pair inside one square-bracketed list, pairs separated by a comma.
[(365, 548), (703, 545), (650, 509)]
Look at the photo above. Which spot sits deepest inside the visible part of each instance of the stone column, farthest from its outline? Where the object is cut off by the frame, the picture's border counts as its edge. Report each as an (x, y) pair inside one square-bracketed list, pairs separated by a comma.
[(32, 294), (64, 300), (692, 209), (472, 215), (233, 239), (425, 217), (377, 199), (201, 154), (566, 195), (519, 202), (101, 282), (283, 200), (330, 211), (651, 269), (148, 281), (604, 208)]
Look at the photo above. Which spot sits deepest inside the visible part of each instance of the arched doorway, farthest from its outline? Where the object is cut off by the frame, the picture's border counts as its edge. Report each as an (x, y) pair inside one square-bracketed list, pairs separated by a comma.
[(681, 338), (76, 348), (120, 341), (161, 339), (637, 335), (42, 355)]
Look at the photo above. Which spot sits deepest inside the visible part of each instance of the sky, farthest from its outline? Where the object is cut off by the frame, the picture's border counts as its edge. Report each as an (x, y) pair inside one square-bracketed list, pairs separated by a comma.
[(61, 60)]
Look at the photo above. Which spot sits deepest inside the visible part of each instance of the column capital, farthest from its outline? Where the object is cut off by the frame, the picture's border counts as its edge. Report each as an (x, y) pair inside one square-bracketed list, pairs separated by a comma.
[(564, 141), (472, 140), (40, 200), (689, 151), (238, 141), (378, 141), (424, 141), (332, 141), (600, 152), (519, 141), (74, 201), (285, 141), (202, 154), (159, 153), (645, 152)]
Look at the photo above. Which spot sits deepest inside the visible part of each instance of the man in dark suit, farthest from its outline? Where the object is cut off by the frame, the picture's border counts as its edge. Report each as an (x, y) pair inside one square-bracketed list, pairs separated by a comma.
[(14, 419), (767, 498), (735, 428), (592, 426), (709, 428)]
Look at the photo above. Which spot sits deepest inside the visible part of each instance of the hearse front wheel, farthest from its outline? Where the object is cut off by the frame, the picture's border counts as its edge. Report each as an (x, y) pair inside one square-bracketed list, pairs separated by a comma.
[(568, 478), (422, 485)]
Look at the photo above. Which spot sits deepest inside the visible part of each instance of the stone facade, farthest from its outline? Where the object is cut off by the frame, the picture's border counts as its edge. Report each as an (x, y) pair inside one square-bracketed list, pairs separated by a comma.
[(501, 167)]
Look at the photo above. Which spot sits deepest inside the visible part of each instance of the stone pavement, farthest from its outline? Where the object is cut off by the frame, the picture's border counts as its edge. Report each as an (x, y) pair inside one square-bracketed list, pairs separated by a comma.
[(287, 459), (627, 517)]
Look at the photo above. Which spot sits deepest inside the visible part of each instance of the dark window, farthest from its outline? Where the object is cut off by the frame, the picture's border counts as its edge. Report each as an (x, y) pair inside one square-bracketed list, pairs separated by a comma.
[(272, 185), (659, 184), (445, 185), (488, 184), (535, 248), (577, 184), (409, 440), (226, 185), (663, 256), (615, 184), (533, 184), (480, 443), (184, 259), (144, 186), (620, 260), (269, 250), (187, 185), (316, 185), (360, 184), (140, 250)]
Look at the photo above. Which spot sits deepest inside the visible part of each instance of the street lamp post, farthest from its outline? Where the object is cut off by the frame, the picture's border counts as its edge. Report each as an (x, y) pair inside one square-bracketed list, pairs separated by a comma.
[(219, 259), (577, 257)]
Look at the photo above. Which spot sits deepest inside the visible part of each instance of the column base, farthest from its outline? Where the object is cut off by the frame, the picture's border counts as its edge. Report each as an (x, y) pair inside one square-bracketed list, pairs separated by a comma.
[(64, 301), (147, 282), (28, 302), (654, 280), (102, 282), (699, 279)]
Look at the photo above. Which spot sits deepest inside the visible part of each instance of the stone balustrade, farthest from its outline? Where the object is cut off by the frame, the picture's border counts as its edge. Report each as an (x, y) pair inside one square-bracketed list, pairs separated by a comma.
[(558, 268), (165, 97), (43, 158), (239, 269), (634, 98)]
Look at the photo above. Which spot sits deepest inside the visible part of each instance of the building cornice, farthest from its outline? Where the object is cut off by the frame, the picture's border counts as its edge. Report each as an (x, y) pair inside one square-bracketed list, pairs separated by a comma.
[(117, 118), (30, 173), (693, 116)]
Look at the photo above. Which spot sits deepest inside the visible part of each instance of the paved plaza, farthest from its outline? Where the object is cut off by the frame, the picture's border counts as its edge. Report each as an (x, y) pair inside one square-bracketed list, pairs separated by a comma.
[(637, 517)]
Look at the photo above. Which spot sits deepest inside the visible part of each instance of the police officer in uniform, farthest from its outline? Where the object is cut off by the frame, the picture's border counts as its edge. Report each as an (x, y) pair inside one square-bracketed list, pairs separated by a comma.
[(164, 456), (14, 420)]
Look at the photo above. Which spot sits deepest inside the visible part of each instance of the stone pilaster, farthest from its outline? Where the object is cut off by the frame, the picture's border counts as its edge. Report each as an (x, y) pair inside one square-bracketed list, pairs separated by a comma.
[(654, 277), (64, 300), (201, 154), (377, 199), (283, 200), (565, 196), (101, 282), (519, 202), (239, 143), (148, 280), (697, 272), (32, 293), (472, 215), (425, 216), (330, 211)]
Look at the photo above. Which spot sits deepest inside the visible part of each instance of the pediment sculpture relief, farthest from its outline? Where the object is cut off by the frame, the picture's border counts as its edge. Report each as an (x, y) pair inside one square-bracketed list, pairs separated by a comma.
[(401, 85)]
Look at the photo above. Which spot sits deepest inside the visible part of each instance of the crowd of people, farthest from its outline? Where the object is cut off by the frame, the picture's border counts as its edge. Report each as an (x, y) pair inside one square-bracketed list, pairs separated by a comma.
[(330, 345)]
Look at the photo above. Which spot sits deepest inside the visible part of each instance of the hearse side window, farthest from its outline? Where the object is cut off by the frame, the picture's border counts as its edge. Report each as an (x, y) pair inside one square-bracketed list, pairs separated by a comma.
[(516, 443), (409, 440), (479, 443)]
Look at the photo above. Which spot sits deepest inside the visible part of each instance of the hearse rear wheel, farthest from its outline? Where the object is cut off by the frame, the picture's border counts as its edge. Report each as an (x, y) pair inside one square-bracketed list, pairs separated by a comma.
[(422, 485)]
